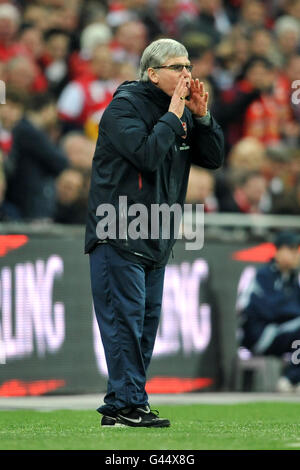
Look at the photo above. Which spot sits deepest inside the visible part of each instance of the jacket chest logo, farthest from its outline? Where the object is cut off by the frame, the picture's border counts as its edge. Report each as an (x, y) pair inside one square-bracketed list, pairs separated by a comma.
[(185, 129)]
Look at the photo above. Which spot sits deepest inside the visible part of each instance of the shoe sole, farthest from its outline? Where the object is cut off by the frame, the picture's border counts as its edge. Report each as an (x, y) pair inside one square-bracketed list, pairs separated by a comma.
[(116, 425), (162, 424)]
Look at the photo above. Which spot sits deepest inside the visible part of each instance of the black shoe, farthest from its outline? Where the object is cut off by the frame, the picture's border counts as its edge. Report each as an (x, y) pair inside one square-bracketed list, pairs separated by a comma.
[(141, 417), (109, 421)]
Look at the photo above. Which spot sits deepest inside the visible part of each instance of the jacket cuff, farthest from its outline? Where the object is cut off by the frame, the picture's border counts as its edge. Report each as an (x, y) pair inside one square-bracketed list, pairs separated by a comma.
[(205, 120), (174, 122)]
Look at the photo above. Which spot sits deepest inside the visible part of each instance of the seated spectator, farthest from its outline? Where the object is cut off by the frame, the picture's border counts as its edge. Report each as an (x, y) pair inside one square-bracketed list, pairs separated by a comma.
[(8, 212), (24, 74), (287, 32), (232, 53), (231, 105), (292, 8), (128, 43), (86, 98), (211, 19), (270, 310), (289, 203), (253, 15), (37, 15), (277, 172), (9, 24), (262, 117), (93, 35), (79, 150), (201, 189), (10, 113), (247, 156), (31, 38), (70, 206), (54, 60), (36, 160), (248, 196), (171, 14), (263, 44)]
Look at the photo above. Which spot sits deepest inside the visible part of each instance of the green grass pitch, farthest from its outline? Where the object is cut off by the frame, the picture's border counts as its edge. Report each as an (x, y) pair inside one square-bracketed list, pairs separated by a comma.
[(210, 427)]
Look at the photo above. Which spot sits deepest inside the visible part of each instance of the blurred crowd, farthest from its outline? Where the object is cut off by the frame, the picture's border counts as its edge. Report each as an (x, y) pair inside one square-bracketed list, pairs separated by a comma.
[(62, 60)]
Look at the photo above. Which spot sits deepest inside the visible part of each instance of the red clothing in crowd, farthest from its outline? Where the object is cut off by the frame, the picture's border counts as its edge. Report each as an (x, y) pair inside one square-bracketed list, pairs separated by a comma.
[(265, 117), (11, 51), (85, 97)]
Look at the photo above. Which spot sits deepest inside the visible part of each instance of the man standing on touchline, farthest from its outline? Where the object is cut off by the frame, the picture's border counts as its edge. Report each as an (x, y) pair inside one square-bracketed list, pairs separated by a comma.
[(149, 136)]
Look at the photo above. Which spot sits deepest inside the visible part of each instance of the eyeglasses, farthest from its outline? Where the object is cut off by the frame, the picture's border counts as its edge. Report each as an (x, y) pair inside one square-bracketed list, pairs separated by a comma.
[(175, 67)]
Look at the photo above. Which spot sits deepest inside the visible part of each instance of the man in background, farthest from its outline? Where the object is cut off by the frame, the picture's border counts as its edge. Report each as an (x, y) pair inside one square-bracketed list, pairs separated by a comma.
[(271, 313), (35, 160)]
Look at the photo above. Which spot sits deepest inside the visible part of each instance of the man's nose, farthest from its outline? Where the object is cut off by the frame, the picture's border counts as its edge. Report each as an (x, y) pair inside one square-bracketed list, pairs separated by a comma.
[(186, 71)]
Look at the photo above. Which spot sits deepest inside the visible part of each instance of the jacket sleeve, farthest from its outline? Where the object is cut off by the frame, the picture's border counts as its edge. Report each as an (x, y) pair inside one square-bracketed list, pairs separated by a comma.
[(129, 135), (207, 144), (265, 303)]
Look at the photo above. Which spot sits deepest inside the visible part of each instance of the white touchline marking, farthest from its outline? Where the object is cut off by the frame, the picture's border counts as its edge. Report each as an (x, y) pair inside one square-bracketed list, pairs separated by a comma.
[(293, 444)]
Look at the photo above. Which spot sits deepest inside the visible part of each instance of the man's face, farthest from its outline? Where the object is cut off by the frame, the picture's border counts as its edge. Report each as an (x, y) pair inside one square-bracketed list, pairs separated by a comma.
[(10, 114), (102, 63), (260, 76), (255, 188), (287, 258), (166, 79)]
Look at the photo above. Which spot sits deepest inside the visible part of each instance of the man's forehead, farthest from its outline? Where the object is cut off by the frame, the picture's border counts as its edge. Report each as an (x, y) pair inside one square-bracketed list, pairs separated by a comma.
[(178, 60)]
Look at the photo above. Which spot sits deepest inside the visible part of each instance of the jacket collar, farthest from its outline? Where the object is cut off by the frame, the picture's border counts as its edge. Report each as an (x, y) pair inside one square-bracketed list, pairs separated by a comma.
[(159, 97)]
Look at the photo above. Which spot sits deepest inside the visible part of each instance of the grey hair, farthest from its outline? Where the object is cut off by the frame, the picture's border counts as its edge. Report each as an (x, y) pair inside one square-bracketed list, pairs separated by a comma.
[(157, 53)]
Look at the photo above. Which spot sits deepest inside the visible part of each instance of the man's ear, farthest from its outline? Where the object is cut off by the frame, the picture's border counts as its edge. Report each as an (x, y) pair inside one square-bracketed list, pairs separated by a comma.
[(153, 75)]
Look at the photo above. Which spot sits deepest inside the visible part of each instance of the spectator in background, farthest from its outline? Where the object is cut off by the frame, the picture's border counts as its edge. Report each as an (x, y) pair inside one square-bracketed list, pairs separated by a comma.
[(145, 12), (31, 38), (212, 20), (262, 43), (23, 73), (172, 14), (37, 15), (232, 53), (266, 115), (277, 173), (261, 115), (79, 150), (8, 212), (231, 105), (70, 206), (85, 98), (292, 8), (247, 156), (55, 60), (129, 41), (288, 34), (294, 166), (289, 203), (200, 189), (36, 160), (202, 57), (253, 15), (93, 35), (9, 24), (270, 314), (248, 196), (10, 113)]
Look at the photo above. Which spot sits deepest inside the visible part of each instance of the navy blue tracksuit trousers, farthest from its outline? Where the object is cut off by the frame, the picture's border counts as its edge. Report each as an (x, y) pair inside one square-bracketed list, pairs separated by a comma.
[(127, 300)]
